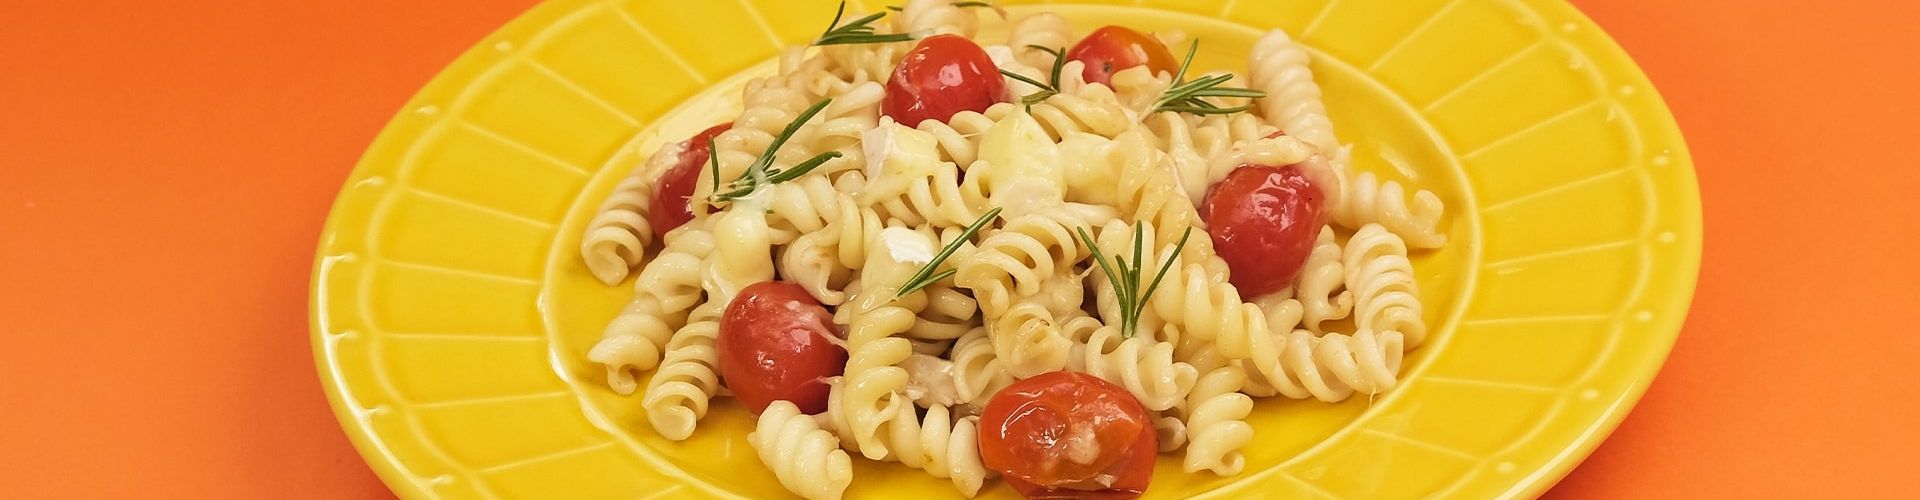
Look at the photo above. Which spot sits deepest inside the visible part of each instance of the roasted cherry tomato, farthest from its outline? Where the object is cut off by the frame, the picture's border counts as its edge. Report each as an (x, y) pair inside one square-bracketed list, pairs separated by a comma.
[(1113, 48), (1264, 221), (943, 75), (669, 207), (778, 343), (1068, 435)]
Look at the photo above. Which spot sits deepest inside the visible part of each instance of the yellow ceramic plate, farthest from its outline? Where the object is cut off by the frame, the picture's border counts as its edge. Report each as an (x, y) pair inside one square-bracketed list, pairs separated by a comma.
[(451, 313)]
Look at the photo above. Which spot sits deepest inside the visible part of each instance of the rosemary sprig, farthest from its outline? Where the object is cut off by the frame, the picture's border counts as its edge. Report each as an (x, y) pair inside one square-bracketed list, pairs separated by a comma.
[(926, 276), (759, 168), (897, 8), (1046, 89), (1185, 96), (1126, 280), (858, 31)]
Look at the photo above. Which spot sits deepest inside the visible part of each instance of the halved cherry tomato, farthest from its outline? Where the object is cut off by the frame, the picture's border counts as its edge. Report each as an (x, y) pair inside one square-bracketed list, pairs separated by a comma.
[(669, 207), (1264, 220), (1068, 435), (777, 343), (1113, 48), (943, 75)]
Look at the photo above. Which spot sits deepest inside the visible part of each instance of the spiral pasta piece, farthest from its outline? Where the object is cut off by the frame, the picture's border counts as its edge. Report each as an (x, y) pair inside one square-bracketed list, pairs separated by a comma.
[(1014, 261), (1146, 192), (1216, 426), (768, 106), (1368, 200), (959, 136), (1028, 341), (616, 239), (931, 17), (1200, 303), (665, 289), (978, 371), (1386, 298), (805, 458), (908, 180), (938, 443), (679, 392), (1321, 286), (1169, 430), (1142, 365), (1045, 29), (874, 380), (1278, 66), (1092, 110), (949, 313), (1294, 104)]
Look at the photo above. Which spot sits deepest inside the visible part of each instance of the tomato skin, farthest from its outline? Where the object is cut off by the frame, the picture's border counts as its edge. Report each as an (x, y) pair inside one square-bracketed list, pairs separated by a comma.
[(1027, 431), (669, 208), (1113, 48), (1264, 220), (942, 76), (773, 345)]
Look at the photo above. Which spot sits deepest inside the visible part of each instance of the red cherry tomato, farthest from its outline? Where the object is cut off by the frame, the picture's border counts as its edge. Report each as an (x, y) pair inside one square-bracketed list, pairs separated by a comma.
[(669, 207), (774, 345), (1264, 221), (1068, 435), (943, 75), (1113, 48)]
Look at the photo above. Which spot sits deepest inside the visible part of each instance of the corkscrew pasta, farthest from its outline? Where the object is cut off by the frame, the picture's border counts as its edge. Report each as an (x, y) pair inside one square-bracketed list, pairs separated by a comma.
[(1067, 218)]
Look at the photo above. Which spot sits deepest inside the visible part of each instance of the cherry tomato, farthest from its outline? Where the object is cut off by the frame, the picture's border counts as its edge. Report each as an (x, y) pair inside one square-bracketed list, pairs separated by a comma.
[(1264, 221), (1068, 435), (1113, 48), (669, 207), (943, 75), (777, 343)]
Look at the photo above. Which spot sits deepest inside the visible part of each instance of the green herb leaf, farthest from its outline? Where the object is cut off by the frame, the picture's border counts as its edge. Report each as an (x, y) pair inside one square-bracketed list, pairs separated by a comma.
[(1186, 97), (1047, 90), (926, 276), (1125, 278), (759, 168), (859, 31)]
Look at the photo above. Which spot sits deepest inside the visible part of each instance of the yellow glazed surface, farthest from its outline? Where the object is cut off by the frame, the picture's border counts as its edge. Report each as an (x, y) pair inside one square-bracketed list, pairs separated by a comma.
[(451, 313)]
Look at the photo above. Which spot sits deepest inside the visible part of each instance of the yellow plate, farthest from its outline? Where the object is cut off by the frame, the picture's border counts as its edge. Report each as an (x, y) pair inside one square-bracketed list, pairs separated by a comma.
[(451, 312)]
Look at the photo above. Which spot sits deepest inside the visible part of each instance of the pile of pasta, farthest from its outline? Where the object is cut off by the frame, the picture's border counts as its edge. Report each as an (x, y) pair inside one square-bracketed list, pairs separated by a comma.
[(1025, 296)]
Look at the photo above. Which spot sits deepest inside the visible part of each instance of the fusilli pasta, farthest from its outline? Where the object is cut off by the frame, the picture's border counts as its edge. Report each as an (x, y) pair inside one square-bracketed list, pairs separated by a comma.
[(805, 458)]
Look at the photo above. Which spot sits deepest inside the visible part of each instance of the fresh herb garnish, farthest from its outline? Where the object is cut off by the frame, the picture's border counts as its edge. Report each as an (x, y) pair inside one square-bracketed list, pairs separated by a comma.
[(1046, 89), (858, 31), (1185, 96), (926, 276), (1126, 280), (760, 167)]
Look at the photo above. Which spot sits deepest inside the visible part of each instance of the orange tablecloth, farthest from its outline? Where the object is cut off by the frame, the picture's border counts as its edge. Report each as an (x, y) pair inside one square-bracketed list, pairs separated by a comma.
[(165, 168)]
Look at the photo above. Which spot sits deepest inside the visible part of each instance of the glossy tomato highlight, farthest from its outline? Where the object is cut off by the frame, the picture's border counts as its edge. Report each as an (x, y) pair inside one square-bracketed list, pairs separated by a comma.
[(942, 75), (777, 343), (1264, 220), (1110, 49), (1068, 435)]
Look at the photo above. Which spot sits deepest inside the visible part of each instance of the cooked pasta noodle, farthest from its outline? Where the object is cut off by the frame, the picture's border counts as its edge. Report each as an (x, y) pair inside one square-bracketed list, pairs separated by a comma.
[(1386, 298), (1321, 285), (1216, 426), (1012, 239), (805, 458), (617, 237), (666, 288)]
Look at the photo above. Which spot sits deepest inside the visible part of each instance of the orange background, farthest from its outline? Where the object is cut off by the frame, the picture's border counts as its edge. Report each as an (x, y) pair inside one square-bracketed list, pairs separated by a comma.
[(165, 168)]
